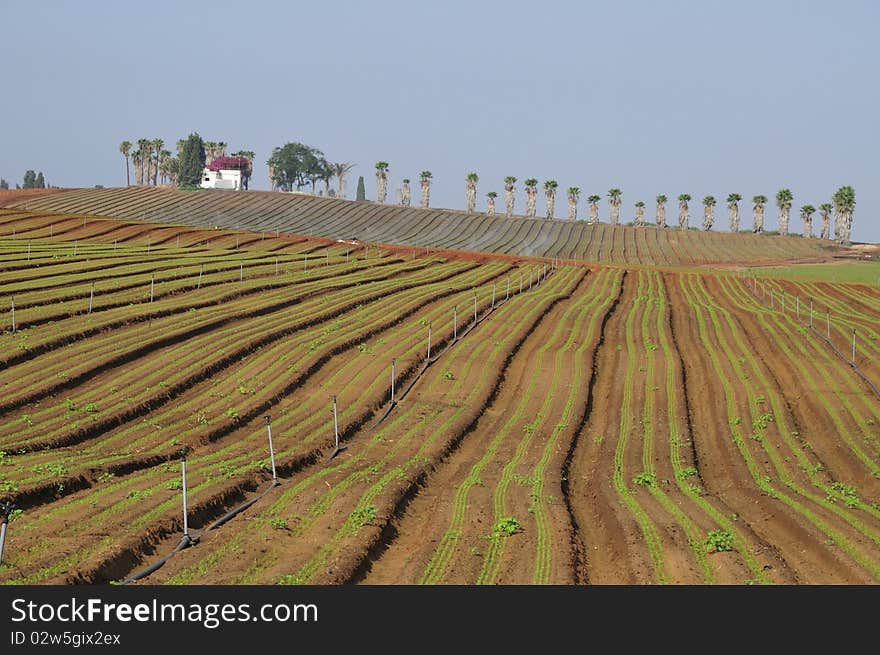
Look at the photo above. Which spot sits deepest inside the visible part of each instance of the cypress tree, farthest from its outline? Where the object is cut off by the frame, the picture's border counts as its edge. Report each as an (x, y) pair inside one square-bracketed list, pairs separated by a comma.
[(361, 192), (40, 182), (192, 161), (29, 179)]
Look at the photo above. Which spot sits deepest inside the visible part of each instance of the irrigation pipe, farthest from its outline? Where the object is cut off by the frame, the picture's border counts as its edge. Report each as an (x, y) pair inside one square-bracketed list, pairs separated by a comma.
[(186, 541)]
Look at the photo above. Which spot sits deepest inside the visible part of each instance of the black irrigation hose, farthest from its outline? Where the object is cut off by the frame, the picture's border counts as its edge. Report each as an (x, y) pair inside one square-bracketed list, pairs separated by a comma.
[(186, 541)]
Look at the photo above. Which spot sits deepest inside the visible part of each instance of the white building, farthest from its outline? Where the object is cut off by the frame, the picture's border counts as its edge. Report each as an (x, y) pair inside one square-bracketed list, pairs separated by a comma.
[(222, 179)]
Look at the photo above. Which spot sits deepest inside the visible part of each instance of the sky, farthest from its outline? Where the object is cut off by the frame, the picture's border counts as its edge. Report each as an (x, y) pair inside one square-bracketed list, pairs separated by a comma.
[(702, 97)]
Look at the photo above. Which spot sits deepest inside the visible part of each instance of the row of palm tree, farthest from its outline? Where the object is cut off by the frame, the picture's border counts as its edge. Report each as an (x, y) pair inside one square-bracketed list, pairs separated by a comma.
[(843, 205)]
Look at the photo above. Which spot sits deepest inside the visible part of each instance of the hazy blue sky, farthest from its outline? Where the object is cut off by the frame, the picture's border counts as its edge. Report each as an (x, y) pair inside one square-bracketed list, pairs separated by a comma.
[(699, 97)]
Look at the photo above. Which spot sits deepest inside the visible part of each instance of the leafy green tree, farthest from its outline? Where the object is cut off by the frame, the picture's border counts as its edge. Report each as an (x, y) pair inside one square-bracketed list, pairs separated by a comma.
[(361, 189), (295, 164), (3, 184), (29, 179), (192, 162)]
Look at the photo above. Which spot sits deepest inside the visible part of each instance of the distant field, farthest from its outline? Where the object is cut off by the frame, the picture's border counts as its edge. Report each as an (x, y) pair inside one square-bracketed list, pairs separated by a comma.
[(574, 241), (855, 272)]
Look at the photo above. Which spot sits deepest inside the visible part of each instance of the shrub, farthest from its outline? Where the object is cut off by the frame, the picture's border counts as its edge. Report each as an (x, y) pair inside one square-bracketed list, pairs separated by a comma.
[(719, 541), (507, 526)]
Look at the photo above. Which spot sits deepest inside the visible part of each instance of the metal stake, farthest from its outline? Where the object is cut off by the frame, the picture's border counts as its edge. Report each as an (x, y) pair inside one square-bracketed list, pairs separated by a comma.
[(240, 271), (520, 281), (91, 297), (475, 306), (797, 306), (276, 266), (530, 280), (13, 315), (271, 447), (201, 270), (29, 250), (811, 312), (455, 323), (493, 295), (828, 325), (152, 286), (854, 349), (392, 381), (75, 243), (183, 483), (507, 295), (429, 342), (335, 423), (5, 511)]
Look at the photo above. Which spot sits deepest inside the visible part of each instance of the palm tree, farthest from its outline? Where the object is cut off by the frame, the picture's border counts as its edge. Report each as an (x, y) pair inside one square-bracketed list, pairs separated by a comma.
[(471, 191), (145, 149), (531, 196), (733, 211), (661, 210), (248, 170), (490, 202), (844, 206), (158, 145), (550, 187), (758, 220), (614, 202), (381, 180), (405, 193), (164, 156), (807, 212), (783, 201), (708, 212), (210, 148), (574, 194), (640, 214), (125, 149), (683, 212), (138, 170), (509, 191), (825, 208), (594, 208), (425, 177), (340, 170)]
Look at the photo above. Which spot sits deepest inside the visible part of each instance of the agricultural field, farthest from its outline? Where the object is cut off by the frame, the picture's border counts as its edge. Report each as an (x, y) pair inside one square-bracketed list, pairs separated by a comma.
[(573, 241), (551, 422)]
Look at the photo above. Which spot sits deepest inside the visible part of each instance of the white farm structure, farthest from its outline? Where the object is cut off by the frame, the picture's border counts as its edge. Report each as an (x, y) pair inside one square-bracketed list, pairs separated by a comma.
[(221, 179)]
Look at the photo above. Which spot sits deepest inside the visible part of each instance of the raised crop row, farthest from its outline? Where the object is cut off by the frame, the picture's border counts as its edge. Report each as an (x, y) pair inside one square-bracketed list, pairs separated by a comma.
[(336, 218)]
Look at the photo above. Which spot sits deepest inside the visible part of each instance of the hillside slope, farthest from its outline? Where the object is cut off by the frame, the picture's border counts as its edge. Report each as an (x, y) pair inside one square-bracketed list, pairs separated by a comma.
[(436, 228)]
